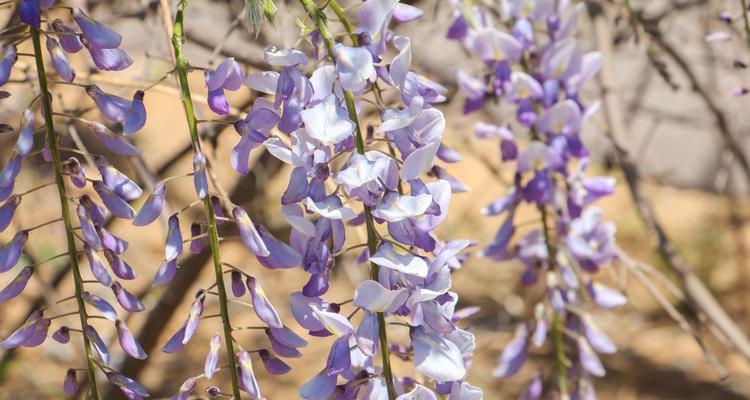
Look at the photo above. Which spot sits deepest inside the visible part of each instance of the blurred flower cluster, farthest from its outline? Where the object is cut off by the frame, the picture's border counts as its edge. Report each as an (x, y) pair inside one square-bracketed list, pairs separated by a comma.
[(532, 62)]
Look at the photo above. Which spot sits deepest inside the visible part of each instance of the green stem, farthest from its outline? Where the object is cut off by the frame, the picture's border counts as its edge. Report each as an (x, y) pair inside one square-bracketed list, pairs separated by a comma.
[(556, 321), (182, 67), (341, 15), (560, 352), (64, 206), (746, 21), (317, 16)]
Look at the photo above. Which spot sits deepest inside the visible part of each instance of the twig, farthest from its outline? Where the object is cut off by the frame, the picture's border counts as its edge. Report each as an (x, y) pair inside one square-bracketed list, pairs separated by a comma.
[(699, 297), (635, 269), (720, 118)]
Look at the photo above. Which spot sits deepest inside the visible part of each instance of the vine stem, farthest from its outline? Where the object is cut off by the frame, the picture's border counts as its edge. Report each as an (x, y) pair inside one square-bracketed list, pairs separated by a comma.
[(556, 321), (64, 206), (182, 67), (316, 15), (743, 4)]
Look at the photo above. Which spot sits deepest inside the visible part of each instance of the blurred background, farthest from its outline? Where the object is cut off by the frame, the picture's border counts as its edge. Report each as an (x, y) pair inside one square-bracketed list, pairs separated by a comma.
[(670, 104)]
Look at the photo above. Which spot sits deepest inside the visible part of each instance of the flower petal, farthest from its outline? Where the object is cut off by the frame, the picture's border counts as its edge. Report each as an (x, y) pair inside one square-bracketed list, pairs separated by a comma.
[(186, 389), (281, 255), (10, 171), (217, 102), (165, 273), (115, 143), (273, 365), (287, 337), (128, 342), (113, 202), (328, 121), (24, 332), (374, 297), (319, 387), (60, 60), (588, 359), (113, 107), (126, 299), (331, 208), (11, 252), (293, 214), (354, 67), (262, 306), (437, 357), (339, 358), (335, 323), (119, 267), (88, 229), (200, 178), (97, 342), (248, 233), (69, 39), (126, 383), (247, 376), (110, 59), (7, 210), (284, 57), (97, 266), (136, 116), (514, 354), (196, 310), (70, 385), (173, 247), (368, 334), (30, 12), (111, 242), (16, 286), (606, 297), (212, 358), (264, 82), (419, 161), (104, 308), (419, 393), (387, 257), (176, 342), (153, 206), (8, 57), (96, 34), (26, 134)]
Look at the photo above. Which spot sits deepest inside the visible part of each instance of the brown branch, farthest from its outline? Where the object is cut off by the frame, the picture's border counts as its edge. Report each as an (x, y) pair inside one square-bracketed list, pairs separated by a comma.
[(635, 268), (699, 297), (720, 118)]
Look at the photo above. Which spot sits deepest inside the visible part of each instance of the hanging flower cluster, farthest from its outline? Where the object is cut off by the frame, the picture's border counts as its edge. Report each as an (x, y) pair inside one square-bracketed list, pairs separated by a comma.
[(114, 190), (272, 253), (344, 174), (539, 68)]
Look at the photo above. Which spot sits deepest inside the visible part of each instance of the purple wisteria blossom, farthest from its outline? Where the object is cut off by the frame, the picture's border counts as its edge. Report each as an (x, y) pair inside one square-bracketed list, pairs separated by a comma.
[(386, 181), (228, 75), (533, 62), (84, 218)]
